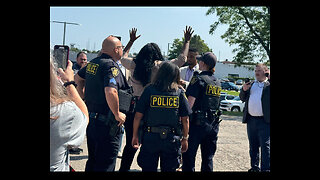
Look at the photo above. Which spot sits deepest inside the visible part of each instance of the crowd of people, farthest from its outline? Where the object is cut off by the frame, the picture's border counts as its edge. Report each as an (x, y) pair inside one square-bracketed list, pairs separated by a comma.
[(166, 109)]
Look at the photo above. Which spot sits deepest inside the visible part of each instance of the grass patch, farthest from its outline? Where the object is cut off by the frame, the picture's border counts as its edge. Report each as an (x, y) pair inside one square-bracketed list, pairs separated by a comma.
[(229, 113), (231, 92)]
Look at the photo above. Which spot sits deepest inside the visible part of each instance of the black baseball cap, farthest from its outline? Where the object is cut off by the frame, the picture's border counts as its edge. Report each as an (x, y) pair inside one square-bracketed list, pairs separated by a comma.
[(208, 58)]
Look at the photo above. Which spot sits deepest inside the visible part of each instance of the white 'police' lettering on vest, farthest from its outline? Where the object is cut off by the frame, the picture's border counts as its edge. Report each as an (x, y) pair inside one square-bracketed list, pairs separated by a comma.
[(164, 101), (213, 90)]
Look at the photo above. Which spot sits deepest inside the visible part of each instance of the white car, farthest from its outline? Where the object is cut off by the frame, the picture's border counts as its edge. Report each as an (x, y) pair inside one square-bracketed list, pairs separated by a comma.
[(234, 105)]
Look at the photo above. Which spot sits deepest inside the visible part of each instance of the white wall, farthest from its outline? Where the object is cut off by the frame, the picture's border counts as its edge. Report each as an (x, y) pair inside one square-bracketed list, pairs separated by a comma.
[(222, 71)]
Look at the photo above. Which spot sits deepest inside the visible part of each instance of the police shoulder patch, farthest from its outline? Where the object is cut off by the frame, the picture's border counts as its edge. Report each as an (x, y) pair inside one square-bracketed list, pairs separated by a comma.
[(115, 71)]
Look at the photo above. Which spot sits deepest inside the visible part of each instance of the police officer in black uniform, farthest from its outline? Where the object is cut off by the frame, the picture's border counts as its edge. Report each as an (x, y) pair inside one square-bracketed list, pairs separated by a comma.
[(161, 106), (203, 95), (102, 79)]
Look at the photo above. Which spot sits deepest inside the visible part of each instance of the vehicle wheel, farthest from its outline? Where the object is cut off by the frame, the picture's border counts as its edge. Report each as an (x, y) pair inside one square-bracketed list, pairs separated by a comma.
[(235, 109)]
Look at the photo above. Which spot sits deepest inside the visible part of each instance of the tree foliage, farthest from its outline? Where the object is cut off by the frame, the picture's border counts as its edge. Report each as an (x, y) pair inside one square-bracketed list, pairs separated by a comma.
[(195, 42), (249, 28)]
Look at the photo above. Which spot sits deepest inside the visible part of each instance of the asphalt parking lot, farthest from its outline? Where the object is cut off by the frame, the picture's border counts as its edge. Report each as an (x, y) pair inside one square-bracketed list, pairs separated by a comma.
[(232, 149)]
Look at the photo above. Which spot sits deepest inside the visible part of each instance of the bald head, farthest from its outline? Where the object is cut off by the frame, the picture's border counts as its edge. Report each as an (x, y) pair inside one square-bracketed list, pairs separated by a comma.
[(112, 46)]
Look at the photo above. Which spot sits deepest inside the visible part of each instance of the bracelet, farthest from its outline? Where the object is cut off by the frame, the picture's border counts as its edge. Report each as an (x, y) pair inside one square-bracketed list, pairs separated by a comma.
[(70, 82), (185, 137)]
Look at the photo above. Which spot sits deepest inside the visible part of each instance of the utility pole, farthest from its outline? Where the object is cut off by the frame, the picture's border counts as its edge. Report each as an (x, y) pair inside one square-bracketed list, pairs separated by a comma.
[(64, 28)]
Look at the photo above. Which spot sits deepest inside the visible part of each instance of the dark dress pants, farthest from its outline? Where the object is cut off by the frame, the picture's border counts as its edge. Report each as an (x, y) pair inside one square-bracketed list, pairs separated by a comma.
[(259, 137)]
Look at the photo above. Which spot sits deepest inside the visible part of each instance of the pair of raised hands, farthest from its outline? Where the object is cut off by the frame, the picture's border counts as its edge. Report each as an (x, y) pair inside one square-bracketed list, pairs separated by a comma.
[(187, 34)]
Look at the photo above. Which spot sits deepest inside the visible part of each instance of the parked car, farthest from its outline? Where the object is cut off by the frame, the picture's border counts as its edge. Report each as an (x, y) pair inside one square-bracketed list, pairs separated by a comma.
[(226, 97), (229, 86), (239, 82), (234, 105)]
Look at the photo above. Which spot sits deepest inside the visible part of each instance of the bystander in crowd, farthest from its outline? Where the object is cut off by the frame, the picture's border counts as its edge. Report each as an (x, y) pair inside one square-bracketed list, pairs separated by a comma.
[(68, 117)]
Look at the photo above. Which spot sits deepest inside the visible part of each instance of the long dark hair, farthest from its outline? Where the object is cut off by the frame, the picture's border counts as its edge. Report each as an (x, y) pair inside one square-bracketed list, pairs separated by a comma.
[(167, 78), (145, 62)]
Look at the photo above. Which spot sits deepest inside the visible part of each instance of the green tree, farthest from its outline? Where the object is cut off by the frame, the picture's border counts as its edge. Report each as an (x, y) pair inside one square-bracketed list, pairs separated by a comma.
[(195, 42), (249, 28)]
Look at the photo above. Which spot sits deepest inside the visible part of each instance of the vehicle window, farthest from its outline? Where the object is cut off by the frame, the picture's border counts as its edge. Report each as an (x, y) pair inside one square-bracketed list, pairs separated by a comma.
[(237, 98), (230, 97)]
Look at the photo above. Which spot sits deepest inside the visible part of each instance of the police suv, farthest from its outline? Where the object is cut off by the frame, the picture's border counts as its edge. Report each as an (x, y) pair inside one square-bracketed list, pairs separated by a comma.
[(234, 105)]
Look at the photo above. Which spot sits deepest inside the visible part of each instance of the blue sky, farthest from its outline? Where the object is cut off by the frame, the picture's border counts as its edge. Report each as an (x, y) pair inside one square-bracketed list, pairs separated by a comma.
[(160, 25)]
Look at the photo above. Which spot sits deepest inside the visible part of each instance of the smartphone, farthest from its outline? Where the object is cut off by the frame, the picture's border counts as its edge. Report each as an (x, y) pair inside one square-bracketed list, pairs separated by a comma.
[(61, 55)]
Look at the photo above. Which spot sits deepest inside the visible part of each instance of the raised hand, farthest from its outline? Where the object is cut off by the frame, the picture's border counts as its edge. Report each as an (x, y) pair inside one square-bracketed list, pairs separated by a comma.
[(188, 33), (133, 35)]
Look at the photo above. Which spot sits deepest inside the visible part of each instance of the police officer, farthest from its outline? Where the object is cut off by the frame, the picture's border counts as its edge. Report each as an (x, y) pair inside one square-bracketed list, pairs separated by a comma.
[(102, 79), (161, 106), (203, 95)]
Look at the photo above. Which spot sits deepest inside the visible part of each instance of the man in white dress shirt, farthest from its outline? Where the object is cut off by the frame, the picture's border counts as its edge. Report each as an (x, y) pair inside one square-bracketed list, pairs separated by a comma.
[(257, 116), (186, 72)]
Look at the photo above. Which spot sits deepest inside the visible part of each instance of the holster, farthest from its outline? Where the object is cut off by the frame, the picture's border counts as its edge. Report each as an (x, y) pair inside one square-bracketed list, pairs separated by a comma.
[(212, 117), (108, 120)]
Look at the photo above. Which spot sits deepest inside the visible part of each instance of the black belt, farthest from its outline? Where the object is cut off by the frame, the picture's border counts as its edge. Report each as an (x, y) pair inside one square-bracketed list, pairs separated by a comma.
[(160, 129), (98, 116)]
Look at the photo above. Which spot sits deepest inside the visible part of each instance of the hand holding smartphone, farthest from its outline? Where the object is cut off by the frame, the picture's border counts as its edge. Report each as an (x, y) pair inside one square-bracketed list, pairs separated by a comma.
[(61, 55), (246, 85)]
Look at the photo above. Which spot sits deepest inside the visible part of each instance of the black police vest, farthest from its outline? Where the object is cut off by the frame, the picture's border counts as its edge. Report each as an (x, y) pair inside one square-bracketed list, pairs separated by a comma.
[(210, 97), (163, 110)]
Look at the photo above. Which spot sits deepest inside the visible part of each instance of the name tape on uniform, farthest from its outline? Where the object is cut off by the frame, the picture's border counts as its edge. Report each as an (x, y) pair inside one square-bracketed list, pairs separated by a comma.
[(164, 101), (213, 90), (92, 68)]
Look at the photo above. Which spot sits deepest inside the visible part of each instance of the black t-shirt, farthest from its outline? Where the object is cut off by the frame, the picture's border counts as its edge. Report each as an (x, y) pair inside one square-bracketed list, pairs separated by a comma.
[(99, 73)]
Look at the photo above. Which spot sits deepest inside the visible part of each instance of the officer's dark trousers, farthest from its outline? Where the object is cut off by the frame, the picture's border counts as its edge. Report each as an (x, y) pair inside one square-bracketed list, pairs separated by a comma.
[(102, 148), (259, 136), (128, 151), (207, 138), (153, 148)]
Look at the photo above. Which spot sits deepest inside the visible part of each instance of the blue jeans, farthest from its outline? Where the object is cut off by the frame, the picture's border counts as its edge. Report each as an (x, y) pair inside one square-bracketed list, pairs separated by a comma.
[(259, 137)]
